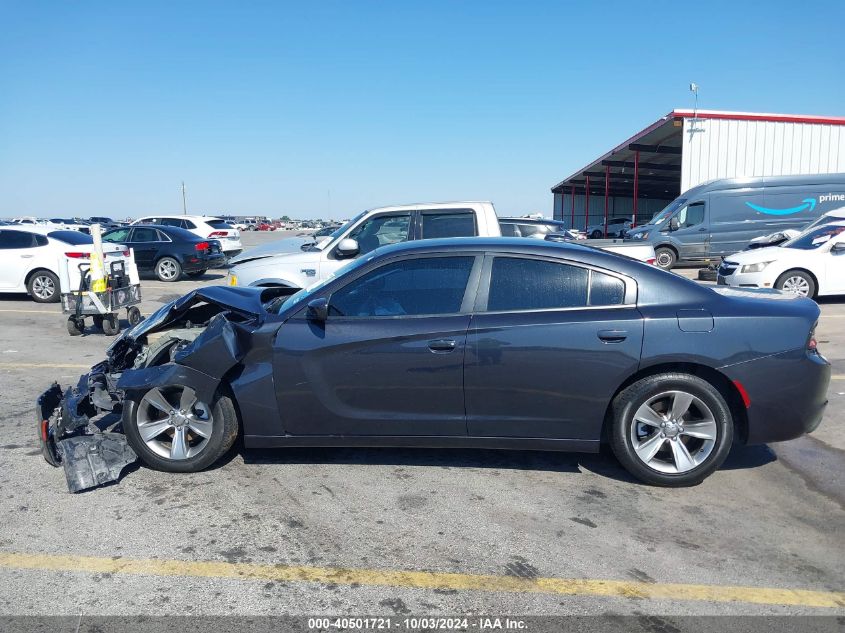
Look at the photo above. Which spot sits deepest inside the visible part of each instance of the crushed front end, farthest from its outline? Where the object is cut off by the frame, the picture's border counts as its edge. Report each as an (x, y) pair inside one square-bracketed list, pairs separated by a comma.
[(192, 341)]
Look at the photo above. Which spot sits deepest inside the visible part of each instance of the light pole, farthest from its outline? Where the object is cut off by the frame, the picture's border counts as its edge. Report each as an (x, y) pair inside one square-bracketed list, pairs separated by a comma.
[(184, 200)]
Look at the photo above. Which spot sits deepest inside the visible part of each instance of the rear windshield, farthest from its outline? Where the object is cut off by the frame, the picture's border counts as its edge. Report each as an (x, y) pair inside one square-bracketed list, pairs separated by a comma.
[(219, 224), (74, 238)]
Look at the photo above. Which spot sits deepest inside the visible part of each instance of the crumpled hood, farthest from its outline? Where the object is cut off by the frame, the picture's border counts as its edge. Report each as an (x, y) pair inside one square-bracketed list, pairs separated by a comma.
[(248, 301)]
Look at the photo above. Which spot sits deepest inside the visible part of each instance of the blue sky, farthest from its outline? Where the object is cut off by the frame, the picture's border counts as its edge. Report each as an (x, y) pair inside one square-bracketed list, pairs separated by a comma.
[(324, 109)]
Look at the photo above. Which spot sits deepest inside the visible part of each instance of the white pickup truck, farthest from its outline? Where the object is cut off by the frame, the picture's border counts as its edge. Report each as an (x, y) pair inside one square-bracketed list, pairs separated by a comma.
[(372, 229)]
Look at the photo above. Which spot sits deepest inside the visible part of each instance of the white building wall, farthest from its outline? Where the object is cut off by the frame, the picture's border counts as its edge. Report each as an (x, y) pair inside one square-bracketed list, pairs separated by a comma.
[(725, 148)]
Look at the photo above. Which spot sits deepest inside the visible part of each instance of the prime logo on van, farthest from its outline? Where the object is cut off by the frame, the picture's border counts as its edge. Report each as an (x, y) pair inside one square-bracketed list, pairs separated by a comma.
[(808, 204)]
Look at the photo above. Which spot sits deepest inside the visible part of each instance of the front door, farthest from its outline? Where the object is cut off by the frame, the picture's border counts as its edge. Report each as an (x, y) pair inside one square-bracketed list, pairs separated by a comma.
[(693, 233), (388, 360), (377, 230), (548, 345)]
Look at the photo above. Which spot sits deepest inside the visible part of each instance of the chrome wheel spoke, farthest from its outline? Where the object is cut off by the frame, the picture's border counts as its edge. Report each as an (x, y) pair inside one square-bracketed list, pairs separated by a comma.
[(648, 449), (202, 428), (179, 444), (705, 430), (683, 460), (151, 430), (157, 399), (680, 405), (648, 416), (188, 399)]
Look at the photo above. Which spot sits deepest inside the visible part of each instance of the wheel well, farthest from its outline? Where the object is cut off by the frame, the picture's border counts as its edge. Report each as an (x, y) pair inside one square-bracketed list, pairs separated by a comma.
[(721, 382), (668, 247), (32, 273), (801, 270)]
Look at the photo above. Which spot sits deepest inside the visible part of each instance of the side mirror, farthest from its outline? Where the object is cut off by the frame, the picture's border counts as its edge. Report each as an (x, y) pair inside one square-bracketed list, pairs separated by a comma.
[(318, 310), (674, 225), (347, 248), (838, 248)]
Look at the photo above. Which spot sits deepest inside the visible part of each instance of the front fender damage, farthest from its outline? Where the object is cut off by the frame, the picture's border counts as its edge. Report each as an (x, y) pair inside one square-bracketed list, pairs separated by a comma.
[(80, 428)]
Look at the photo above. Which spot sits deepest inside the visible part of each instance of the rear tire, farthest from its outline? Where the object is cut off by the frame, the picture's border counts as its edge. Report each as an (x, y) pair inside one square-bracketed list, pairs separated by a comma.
[(168, 269), (797, 282), (133, 315), (666, 257), (671, 429), (43, 287), (595, 234), (162, 452)]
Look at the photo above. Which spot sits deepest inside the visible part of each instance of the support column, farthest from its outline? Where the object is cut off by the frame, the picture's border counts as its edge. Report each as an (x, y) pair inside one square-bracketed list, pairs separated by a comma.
[(606, 195), (587, 204), (636, 186), (572, 199)]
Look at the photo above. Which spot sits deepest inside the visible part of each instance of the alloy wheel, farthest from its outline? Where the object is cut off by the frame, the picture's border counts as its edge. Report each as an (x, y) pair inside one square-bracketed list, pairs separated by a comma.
[(43, 287), (167, 269), (796, 285), (673, 432), (173, 423)]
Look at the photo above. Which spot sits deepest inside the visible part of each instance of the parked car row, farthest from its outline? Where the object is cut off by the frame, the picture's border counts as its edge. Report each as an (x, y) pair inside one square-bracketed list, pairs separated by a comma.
[(201, 226)]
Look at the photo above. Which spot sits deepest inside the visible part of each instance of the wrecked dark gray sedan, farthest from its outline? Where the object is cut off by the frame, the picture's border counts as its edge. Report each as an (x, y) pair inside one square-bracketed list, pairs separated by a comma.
[(494, 343)]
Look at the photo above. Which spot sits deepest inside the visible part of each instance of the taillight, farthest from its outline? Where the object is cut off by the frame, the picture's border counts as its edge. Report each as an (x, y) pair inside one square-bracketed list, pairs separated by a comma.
[(812, 343), (78, 255), (652, 261), (218, 234), (202, 246), (126, 253)]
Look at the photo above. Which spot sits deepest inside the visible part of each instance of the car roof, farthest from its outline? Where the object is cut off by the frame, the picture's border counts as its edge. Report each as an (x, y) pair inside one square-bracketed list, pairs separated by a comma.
[(530, 221), (172, 231), (179, 216)]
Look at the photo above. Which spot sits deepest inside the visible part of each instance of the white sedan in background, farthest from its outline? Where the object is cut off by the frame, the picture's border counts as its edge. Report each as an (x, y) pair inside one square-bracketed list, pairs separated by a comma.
[(29, 259), (811, 264)]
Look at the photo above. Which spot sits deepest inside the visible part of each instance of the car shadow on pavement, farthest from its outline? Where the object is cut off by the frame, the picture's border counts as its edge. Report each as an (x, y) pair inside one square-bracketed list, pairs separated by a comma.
[(602, 463)]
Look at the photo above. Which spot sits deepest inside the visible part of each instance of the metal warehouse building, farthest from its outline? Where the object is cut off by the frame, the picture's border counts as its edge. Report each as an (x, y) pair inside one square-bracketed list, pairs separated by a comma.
[(685, 148)]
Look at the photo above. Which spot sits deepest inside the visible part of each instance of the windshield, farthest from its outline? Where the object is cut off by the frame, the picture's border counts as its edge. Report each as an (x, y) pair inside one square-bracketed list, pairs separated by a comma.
[(813, 238), (668, 211), (342, 229), (822, 221)]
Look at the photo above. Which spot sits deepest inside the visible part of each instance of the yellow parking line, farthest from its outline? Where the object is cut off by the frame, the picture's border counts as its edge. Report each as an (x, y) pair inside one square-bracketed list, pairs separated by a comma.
[(43, 365), (33, 312), (423, 580), (837, 377)]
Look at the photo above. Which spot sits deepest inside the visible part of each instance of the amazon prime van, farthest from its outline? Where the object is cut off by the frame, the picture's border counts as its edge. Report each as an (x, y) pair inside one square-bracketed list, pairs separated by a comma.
[(721, 217)]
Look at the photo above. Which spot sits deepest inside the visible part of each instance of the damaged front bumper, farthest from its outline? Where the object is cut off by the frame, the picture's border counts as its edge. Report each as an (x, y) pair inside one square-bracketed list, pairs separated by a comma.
[(91, 455)]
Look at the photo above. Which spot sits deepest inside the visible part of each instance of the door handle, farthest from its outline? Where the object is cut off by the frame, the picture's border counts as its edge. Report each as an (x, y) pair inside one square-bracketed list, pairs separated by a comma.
[(701, 230), (442, 346), (612, 336), (26, 256)]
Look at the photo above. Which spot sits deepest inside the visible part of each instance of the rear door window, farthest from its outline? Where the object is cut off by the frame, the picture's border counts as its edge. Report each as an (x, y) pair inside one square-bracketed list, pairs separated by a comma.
[(145, 235), (534, 284), (10, 240), (447, 223)]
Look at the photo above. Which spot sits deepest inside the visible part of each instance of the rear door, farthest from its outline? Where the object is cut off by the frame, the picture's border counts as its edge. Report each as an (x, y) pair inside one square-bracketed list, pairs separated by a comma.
[(550, 342), (388, 360)]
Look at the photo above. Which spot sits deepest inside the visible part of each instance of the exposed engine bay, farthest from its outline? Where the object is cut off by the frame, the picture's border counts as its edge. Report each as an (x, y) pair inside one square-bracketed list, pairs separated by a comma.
[(194, 342)]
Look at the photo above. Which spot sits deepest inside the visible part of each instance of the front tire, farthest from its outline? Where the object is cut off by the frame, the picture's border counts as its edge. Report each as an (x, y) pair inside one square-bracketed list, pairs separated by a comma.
[(797, 282), (595, 234), (671, 429), (168, 269), (170, 429), (43, 287), (666, 257)]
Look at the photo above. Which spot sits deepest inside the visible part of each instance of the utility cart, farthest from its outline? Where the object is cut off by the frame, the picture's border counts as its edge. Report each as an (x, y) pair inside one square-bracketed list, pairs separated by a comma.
[(99, 284), (103, 307)]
